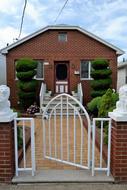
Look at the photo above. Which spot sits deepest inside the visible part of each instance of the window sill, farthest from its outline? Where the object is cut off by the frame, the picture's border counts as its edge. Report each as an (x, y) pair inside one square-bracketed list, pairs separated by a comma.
[(39, 78), (86, 79)]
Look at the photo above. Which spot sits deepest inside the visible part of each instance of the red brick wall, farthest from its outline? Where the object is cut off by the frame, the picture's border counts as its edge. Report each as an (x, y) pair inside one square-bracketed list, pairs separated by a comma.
[(46, 46), (6, 152), (119, 151)]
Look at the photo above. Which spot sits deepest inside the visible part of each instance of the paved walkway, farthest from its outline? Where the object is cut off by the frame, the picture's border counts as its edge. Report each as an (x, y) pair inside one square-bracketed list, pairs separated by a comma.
[(42, 163), (65, 186)]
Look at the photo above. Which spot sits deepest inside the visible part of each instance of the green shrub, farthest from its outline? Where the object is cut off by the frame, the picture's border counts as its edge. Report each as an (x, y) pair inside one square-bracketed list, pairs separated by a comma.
[(26, 84), (26, 75), (26, 95), (99, 64), (97, 93), (101, 75), (25, 64), (101, 84), (107, 103), (93, 106), (27, 87), (97, 74)]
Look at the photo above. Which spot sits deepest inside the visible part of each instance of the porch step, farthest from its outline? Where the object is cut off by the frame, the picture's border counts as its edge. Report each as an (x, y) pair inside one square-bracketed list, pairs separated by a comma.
[(54, 176), (64, 102)]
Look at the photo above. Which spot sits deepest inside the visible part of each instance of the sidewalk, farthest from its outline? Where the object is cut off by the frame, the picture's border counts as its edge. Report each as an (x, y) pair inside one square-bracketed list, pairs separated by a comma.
[(65, 186)]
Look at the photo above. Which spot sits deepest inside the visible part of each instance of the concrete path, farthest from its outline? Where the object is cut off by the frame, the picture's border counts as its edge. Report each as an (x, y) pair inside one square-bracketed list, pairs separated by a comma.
[(64, 186)]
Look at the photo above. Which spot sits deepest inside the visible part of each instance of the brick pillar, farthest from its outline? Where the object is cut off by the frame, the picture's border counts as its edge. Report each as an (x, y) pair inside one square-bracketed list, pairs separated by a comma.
[(119, 151), (6, 151)]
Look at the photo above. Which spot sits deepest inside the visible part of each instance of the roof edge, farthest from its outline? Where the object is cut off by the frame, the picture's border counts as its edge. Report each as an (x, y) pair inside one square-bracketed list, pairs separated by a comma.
[(62, 27)]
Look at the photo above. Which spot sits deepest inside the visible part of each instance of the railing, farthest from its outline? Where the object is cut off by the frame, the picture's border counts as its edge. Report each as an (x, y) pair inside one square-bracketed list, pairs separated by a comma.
[(21, 126), (101, 166), (80, 93), (42, 94)]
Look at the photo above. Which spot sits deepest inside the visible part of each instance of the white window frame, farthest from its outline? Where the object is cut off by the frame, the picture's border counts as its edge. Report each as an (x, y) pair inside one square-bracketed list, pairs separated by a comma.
[(62, 33), (42, 61), (89, 70)]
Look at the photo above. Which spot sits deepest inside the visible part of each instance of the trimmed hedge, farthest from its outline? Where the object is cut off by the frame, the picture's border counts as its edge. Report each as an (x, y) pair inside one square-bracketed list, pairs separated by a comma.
[(100, 64), (26, 75), (25, 64), (101, 75), (26, 95), (97, 93), (29, 86), (97, 74), (101, 84)]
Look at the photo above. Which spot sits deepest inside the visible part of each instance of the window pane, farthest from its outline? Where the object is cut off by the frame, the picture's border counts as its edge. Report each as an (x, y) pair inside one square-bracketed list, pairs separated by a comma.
[(85, 69), (39, 70), (62, 37)]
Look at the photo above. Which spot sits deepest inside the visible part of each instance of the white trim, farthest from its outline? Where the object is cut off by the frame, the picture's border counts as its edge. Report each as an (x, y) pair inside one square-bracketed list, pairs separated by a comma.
[(89, 70), (61, 82), (62, 27)]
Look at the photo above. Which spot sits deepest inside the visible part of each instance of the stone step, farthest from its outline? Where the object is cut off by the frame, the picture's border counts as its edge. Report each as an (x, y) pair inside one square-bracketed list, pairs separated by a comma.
[(56, 102), (58, 99)]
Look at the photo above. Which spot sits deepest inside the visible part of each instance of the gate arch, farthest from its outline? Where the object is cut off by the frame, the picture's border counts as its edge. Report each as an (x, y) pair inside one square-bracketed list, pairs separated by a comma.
[(63, 116)]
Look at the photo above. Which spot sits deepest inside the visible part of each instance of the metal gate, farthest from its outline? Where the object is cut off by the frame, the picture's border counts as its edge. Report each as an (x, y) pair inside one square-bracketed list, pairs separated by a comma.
[(64, 137), (23, 135)]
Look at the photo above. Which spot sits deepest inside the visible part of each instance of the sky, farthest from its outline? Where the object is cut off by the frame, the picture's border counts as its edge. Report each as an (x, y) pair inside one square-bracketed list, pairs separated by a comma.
[(105, 18)]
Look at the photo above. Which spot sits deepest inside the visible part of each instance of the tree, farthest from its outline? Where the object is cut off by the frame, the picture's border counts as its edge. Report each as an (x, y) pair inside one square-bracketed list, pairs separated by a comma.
[(101, 73), (26, 70)]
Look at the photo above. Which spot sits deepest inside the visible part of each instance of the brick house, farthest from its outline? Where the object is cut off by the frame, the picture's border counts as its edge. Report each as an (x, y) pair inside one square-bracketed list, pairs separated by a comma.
[(64, 55)]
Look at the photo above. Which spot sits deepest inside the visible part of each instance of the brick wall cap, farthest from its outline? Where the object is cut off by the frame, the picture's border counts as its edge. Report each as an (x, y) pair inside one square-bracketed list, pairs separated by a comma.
[(117, 116), (8, 118)]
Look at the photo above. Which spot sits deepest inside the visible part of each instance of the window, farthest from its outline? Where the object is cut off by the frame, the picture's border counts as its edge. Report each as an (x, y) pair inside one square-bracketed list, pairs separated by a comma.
[(15, 70), (62, 37), (85, 69), (40, 70)]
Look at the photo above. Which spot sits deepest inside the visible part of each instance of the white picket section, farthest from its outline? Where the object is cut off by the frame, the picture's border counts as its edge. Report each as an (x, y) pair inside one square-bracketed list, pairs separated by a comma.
[(100, 167), (32, 144)]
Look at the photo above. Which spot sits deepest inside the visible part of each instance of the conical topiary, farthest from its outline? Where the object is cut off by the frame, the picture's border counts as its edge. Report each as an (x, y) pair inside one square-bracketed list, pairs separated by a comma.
[(101, 73), (26, 70)]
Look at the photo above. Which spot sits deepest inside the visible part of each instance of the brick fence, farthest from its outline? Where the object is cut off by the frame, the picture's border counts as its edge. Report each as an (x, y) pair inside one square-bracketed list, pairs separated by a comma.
[(6, 151), (119, 151)]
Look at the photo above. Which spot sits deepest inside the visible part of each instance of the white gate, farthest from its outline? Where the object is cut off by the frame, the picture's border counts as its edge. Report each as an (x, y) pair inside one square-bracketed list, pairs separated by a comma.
[(64, 137), (24, 132), (101, 166)]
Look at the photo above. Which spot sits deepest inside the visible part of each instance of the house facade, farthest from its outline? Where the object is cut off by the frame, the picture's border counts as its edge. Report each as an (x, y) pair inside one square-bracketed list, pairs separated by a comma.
[(3, 69), (122, 74), (64, 54)]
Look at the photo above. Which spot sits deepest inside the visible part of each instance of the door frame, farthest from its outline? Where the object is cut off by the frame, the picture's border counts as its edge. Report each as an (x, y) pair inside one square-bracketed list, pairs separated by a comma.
[(67, 63)]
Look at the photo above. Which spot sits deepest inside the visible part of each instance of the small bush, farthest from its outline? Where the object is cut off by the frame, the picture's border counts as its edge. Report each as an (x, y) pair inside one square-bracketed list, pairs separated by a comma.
[(107, 103), (93, 106)]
